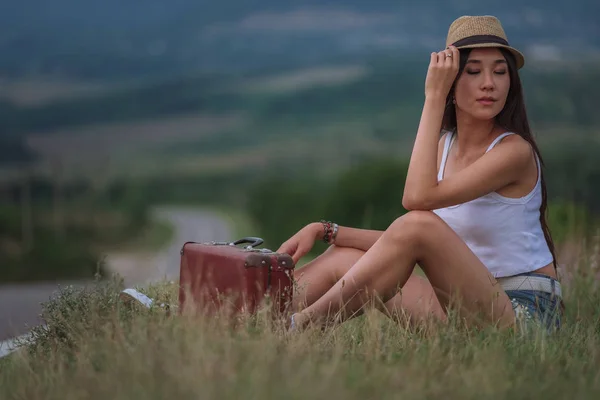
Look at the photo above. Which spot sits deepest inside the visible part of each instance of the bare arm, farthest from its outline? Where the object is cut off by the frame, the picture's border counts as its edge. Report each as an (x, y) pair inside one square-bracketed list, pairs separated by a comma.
[(422, 168), (303, 241), (500, 167), (494, 170), (357, 238)]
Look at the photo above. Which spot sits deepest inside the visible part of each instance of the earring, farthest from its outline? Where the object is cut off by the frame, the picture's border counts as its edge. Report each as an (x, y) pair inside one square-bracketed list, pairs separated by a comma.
[(453, 100)]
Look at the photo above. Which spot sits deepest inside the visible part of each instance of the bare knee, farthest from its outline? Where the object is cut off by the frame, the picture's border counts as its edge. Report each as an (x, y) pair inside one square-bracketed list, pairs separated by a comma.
[(414, 227)]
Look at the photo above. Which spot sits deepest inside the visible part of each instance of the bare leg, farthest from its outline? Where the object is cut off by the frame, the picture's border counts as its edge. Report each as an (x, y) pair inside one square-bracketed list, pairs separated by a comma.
[(417, 301), (417, 237)]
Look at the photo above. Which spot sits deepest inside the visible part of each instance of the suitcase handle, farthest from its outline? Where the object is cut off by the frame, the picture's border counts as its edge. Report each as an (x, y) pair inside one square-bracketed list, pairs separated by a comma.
[(255, 241)]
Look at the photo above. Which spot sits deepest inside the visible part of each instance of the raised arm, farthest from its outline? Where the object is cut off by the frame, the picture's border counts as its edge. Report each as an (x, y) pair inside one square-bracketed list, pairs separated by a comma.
[(499, 167)]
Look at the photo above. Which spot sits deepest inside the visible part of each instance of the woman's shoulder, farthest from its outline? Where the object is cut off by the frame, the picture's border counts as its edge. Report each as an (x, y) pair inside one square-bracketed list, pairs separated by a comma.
[(511, 140), (513, 149)]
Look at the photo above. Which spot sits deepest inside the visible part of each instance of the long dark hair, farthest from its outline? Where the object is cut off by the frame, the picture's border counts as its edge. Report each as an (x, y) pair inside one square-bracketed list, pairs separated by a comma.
[(513, 118)]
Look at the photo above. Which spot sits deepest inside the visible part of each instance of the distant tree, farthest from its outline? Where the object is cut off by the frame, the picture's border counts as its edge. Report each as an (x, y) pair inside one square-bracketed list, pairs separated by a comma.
[(369, 195)]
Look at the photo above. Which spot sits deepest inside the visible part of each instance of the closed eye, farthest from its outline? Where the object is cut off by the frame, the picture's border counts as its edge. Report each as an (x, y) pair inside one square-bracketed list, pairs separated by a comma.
[(471, 72), (475, 62)]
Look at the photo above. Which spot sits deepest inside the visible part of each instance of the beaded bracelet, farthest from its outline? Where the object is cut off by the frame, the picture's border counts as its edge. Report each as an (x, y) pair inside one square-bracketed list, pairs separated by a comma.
[(330, 231), (326, 230), (335, 232)]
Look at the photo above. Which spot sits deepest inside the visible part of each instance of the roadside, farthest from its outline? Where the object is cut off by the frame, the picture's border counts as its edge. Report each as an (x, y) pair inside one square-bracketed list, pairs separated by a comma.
[(21, 304), (189, 224)]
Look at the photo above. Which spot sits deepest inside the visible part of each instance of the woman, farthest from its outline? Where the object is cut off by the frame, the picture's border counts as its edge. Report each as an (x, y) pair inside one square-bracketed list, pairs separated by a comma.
[(476, 199)]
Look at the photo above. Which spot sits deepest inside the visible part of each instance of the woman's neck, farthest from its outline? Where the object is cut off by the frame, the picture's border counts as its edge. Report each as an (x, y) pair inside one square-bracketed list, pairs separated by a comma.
[(473, 134)]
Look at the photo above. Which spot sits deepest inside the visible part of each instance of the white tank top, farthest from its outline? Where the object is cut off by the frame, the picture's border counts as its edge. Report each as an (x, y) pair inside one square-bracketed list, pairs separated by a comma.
[(505, 233)]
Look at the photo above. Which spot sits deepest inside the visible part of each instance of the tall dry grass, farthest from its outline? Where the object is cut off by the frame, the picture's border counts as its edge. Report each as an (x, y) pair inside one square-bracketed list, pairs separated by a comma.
[(95, 347)]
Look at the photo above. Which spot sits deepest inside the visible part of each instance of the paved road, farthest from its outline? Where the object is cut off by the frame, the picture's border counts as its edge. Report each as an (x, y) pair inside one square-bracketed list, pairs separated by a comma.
[(190, 225), (20, 304)]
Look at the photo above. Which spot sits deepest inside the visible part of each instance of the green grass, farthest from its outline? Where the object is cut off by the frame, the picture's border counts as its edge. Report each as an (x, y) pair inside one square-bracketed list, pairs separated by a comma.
[(96, 347)]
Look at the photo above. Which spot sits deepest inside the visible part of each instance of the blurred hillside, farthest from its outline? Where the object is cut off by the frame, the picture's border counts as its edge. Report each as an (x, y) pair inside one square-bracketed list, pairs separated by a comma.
[(195, 123), (186, 87), (132, 39)]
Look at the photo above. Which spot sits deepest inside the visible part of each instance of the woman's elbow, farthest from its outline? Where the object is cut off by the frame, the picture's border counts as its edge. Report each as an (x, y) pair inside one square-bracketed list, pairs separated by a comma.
[(409, 203), (413, 203)]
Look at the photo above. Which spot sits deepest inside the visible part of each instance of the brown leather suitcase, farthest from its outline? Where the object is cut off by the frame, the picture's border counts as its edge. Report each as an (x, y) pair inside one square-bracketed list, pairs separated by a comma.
[(222, 276)]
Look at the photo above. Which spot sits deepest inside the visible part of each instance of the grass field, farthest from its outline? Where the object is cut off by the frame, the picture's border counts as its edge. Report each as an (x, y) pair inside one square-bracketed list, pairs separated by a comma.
[(97, 348)]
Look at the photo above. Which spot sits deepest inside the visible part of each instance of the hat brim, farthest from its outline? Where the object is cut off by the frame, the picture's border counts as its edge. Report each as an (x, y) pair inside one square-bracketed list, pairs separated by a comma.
[(519, 58)]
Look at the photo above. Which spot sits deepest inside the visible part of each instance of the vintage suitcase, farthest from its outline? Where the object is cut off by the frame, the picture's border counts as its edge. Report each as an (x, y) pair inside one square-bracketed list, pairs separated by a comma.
[(225, 277)]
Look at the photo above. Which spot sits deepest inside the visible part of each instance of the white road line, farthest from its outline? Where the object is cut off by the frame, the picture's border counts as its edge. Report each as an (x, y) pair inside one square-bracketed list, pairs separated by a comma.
[(11, 345)]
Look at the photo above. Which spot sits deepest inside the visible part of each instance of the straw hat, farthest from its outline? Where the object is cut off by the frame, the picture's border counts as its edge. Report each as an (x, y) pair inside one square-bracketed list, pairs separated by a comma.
[(469, 32)]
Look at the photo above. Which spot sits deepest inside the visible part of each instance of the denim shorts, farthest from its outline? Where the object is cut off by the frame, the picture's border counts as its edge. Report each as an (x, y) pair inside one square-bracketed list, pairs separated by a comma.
[(533, 307)]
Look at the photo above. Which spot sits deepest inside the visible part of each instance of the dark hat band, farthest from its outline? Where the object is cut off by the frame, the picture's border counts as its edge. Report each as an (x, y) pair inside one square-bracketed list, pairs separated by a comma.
[(478, 39)]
